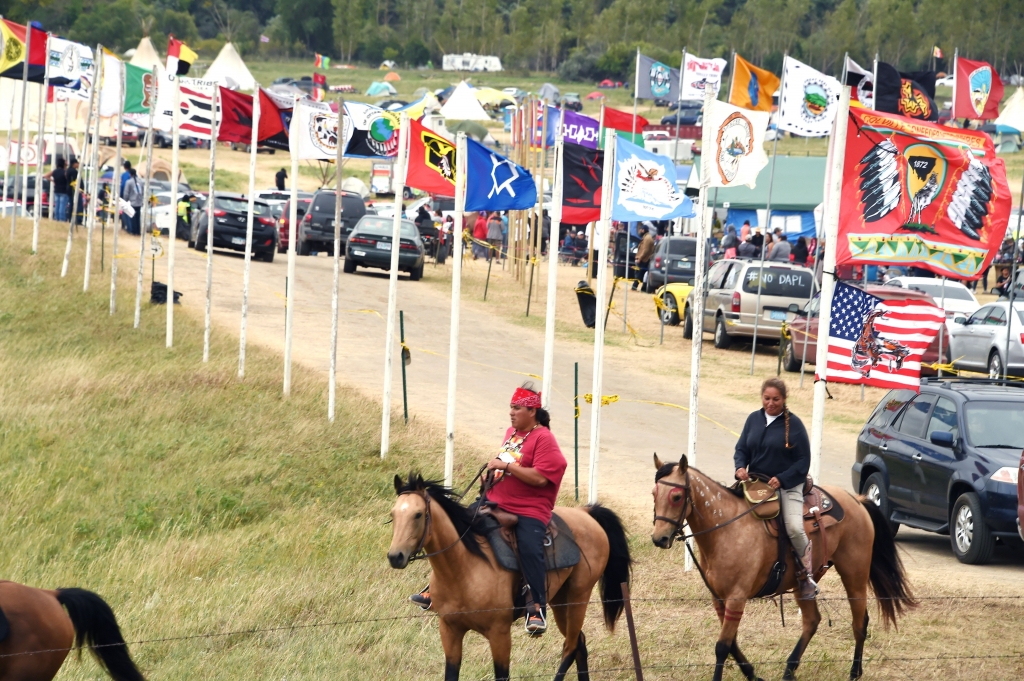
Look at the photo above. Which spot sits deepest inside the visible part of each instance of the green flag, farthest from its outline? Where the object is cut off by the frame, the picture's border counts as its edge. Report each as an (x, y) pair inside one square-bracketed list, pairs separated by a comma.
[(139, 89)]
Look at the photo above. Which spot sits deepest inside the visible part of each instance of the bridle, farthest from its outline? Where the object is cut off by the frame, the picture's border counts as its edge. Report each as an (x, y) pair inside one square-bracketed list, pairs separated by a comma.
[(418, 553), (687, 504)]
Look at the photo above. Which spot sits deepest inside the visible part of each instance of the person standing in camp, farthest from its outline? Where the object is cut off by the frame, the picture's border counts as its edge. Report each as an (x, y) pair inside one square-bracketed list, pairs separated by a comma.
[(644, 252), (494, 236), (280, 178), (745, 230), (58, 178), (480, 235), (780, 250), (800, 251), (133, 195)]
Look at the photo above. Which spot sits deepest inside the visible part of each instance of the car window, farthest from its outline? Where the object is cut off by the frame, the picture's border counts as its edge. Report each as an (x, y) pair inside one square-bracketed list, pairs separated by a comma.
[(380, 226), (778, 281), (241, 206), (717, 274), (979, 316), (812, 305), (1020, 315), (889, 406), (996, 317), (995, 423), (733, 276), (915, 416), (943, 419), (952, 291), (683, 247)]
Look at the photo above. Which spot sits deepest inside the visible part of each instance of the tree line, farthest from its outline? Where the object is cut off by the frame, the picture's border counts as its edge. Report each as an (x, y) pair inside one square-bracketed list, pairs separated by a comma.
[(581, 39)]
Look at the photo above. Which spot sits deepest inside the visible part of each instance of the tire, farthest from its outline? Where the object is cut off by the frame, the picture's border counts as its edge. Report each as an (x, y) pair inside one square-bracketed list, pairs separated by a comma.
[(267, 256), (416, 273), (350, 266), (671, 315), (688, 324), (191, 244), (995, 365), (281, 249), (789, 360), (874, 490), (303, 248), (971, 540), (722, 338)]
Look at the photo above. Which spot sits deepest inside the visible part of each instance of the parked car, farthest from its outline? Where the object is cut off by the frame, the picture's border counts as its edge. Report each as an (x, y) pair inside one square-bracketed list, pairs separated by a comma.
[(283, 215), (370, 244), (978, 342), (672, 297), (947, 460), (571, 101), (953, 297), (230, 214), (316, 231), (688, 113), (21, 191), (730, 306), (674, 261), (129, 137), (280, 196)]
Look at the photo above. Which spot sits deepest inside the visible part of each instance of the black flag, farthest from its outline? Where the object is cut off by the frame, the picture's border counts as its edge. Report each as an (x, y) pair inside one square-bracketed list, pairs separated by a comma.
[(581, 184)]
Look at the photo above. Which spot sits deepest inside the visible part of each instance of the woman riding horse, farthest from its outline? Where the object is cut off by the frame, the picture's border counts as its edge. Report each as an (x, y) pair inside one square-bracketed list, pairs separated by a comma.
[(527, 474), (774, 446)]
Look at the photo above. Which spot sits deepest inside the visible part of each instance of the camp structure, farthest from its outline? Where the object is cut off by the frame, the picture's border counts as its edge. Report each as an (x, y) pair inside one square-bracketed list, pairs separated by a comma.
[(228, 70), (463, 106), (470, 62), (392, 77), (380, 89), (146, 56)]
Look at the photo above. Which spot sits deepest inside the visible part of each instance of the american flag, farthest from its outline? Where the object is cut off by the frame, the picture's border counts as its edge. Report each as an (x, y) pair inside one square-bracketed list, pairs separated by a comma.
[(902, 329)]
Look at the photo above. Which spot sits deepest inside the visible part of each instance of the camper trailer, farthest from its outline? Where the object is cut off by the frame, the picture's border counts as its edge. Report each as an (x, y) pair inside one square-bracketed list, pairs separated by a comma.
[(470, 62)]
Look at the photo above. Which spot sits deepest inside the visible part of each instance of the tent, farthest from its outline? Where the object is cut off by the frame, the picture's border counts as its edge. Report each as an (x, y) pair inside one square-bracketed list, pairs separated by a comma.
[(356, 186), (422, 105), (472, 129), (462, 106), (380, 89), (146, 56), (488, 96), (1012, 114), (392, 77), (549, 92), (230, 71), (595, 95)]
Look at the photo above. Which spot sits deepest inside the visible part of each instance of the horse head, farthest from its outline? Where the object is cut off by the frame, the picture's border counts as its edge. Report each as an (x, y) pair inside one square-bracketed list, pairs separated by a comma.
[(672, 500), (410, 526)]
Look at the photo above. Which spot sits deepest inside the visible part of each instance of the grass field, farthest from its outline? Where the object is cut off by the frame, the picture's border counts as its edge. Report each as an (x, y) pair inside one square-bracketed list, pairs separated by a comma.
[(198, 503)]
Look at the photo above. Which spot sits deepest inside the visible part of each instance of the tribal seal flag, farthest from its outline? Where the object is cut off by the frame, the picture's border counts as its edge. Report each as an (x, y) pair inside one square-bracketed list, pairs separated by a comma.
[(323, 132), (375, 131), (977, 90), (917, 193), (661, 84), (645, 186), (809, 100), (317, 131), (656, 80), (737, 144)]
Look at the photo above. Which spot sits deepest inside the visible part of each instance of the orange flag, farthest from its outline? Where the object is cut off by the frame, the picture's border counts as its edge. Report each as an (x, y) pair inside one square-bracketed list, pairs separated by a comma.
[(752, 88)]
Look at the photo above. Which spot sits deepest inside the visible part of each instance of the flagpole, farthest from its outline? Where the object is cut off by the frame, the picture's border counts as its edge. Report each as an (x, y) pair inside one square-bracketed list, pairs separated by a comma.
[(73, 209), (601, 231), (248, 227), (64, 143), (732, 76), (828, 279), (293, 217), (952, 109), (144, 225), (214, 132), (636, 92), (40, 157), (53, 154), (116, 189), (1013, 281), (679, 106), (173, 232), (874, 83), (396, 243), (338, 206), (453, 341), (556, 221), (10, 154), (21, 129), (94, 158), (768, 214)]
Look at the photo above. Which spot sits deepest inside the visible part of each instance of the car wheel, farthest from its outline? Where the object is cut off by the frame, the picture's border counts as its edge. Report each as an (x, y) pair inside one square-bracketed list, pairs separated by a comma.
[(789, 361), (874, 490), (688, 324), (969, 536), (281, 249), (350, 266), (191, 244), (304, 248), (200, 245), (670, 313), (267, 256), (722, 338), (416, 273), (995, 365)]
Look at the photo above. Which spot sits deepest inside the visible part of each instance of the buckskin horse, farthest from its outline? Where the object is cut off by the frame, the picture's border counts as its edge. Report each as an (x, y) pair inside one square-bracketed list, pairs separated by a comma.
[(471, 592), (737, 555), (39, 628)]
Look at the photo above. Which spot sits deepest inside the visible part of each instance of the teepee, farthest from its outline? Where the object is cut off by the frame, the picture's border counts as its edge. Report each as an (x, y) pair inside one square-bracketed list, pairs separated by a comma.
[(463, 106), (230, 71), (145, 56)]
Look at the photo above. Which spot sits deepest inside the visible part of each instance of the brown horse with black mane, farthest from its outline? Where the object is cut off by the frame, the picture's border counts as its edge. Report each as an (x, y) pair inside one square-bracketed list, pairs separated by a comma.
[(471, 592), (41, 627), (737, 555)]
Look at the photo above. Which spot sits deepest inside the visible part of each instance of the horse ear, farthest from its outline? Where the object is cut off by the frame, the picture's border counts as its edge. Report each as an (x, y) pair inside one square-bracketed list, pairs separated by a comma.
[(657, 462), (398, 484), (683, 464)]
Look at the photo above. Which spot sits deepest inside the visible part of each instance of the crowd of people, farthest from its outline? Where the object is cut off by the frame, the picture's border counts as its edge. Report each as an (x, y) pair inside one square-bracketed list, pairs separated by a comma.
[(64, 179)]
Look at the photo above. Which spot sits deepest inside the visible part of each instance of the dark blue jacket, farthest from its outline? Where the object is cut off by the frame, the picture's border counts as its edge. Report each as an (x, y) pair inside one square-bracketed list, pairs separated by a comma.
[(762, 449)]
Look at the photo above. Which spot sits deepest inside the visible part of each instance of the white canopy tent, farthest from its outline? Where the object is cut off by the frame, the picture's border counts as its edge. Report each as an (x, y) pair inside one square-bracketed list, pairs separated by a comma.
[(228, 70), (1012, 114), (463, 105), (146, 56)]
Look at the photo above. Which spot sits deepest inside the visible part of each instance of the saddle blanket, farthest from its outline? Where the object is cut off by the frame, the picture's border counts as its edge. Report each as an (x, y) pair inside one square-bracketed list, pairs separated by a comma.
[(560, 552)]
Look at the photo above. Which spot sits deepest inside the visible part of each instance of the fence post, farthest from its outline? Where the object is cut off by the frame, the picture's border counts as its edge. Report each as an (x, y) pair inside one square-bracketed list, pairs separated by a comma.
[(576, 427), (406, 358), (632, 633)]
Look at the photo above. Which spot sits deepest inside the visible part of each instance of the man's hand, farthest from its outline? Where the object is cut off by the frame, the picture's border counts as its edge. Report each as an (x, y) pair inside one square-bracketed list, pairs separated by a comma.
[(496, 464), (774, 483), (741, 474)]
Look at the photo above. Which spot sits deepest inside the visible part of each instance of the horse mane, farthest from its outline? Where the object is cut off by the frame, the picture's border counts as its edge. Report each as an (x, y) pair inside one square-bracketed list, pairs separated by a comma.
[(467, 524), (668, 468)]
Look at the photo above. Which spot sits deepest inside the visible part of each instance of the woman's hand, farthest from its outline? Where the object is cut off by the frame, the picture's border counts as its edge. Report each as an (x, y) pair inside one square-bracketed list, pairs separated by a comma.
[(774, 483), (496, 464), (741, 474)]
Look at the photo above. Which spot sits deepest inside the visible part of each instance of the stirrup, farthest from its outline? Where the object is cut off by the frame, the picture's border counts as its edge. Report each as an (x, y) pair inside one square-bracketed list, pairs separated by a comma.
[(422, 599), (536, 624)]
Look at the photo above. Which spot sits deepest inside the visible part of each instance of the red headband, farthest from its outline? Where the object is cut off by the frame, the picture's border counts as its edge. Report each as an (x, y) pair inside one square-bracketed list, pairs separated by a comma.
[(526, 398)]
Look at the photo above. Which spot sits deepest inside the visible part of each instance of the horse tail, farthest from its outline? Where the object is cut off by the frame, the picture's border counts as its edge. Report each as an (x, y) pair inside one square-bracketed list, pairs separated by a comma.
[(619, 567), (887, 576), (96, 628)]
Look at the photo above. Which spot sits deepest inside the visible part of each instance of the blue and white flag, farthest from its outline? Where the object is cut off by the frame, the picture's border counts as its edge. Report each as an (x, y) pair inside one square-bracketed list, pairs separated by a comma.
[(645, 186), (495, 183)]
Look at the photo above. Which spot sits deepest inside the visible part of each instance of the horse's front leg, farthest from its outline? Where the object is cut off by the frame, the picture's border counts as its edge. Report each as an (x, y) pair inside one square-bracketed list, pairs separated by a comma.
[(731, 612), (500, 638), (811, 619), (451, 641)]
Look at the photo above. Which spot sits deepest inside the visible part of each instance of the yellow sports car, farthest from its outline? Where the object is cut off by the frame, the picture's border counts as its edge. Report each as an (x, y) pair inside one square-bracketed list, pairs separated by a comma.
[(669, 299)]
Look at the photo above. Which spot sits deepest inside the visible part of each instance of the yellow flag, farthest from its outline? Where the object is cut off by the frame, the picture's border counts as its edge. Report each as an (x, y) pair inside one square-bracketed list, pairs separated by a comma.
[(12, 50), (752, 88)]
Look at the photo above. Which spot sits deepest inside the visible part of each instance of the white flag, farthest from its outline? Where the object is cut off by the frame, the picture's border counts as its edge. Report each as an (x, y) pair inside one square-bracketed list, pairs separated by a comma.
[(67, 62), (737, 144), (110, 88), (700, 73), (195, 105), (809, 100), (316, 131)]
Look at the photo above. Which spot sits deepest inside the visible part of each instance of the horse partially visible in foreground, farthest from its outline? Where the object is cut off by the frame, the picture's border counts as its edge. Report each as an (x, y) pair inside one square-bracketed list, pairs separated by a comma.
[(470, 592), (42, 627)]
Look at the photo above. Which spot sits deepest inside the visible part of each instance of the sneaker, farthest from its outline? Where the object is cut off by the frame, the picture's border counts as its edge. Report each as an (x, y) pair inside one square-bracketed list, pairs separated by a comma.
[(536, 624), (422, 599)]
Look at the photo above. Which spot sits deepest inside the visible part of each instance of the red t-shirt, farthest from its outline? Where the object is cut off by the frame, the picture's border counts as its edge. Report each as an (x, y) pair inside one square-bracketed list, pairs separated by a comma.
[(480, 228), (540, 452)]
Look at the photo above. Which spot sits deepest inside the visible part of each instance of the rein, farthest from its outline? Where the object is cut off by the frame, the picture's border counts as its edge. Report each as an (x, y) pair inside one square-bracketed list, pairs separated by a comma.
[(678, 523), (418, 554)]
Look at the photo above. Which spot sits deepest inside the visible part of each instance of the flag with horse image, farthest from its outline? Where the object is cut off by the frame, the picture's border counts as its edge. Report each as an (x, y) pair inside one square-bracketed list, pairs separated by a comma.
[(921, 194), (809, 100), (645, 186), (877, 342), (977, 90), (752, 87), (737, 144)]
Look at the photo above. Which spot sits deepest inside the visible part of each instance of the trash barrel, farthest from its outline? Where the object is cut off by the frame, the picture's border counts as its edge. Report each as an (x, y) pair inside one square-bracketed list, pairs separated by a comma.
[(588, 304), (158, 294)]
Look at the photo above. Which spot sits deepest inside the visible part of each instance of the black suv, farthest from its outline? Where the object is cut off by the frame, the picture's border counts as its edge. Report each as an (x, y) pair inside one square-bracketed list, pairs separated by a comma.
[(230, 215), (946, 460), (316, 229)]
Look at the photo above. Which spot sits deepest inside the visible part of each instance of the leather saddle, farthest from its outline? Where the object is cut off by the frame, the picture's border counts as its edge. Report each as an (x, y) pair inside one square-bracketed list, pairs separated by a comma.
[(560, 548)]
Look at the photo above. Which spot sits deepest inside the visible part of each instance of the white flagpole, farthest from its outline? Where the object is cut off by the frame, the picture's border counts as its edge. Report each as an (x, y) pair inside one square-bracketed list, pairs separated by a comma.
[(396, 243), (768, 214), (89, 207), (874, 84), (40, 156), (144, 225), (73, 208), (21, 130), (172, 234), (53, 154), (556, 221), (116, 189), (10, 154), (956, 58), (289, 315), (248, 227), (453, 339), (602, 229), (679, 105), (338, 207), (732, 77), (828, 279), (214, 131)]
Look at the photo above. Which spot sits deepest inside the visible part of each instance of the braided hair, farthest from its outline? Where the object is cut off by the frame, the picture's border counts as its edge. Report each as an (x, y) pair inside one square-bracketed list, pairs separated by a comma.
[(779, 385)]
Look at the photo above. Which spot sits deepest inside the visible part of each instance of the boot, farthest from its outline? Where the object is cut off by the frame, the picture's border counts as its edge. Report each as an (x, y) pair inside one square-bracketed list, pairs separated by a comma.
[(808, 587)]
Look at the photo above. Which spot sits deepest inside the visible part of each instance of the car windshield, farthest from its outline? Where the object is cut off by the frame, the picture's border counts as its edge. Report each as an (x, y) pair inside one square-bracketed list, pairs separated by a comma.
[(777, 281), (935, 291), (684, 247), (241, 206), (385, 226), (990, 424)]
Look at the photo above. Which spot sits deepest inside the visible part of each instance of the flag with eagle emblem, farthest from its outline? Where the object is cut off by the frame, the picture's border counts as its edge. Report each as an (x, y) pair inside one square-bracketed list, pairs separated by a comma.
[(431, 161), (921, 194)]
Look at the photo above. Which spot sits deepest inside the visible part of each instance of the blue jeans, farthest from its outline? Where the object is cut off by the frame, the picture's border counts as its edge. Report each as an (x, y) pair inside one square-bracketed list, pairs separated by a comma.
[(60, 207)]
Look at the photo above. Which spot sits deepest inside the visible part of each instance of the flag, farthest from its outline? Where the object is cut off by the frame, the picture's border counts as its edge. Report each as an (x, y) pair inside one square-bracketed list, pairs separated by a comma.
[(235, 117), (977, 90), (579, 129), (321, 62), (656, 80), (862, 84), (195, 106), (264, 39), (67, 63), (752, 88), (700, 73), (139, 89), (899, 94), (431, 165), (936, 52), (495, 183), (879, 342), (921, 194), (620, 120), (582, 174), (316, 131), (374, 131), (275, 120), (179, 57), (13, 48), (645, 186), (319, 86), (110, 88), (554, 120), (12, 52), (809, 100), (737, 144)]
